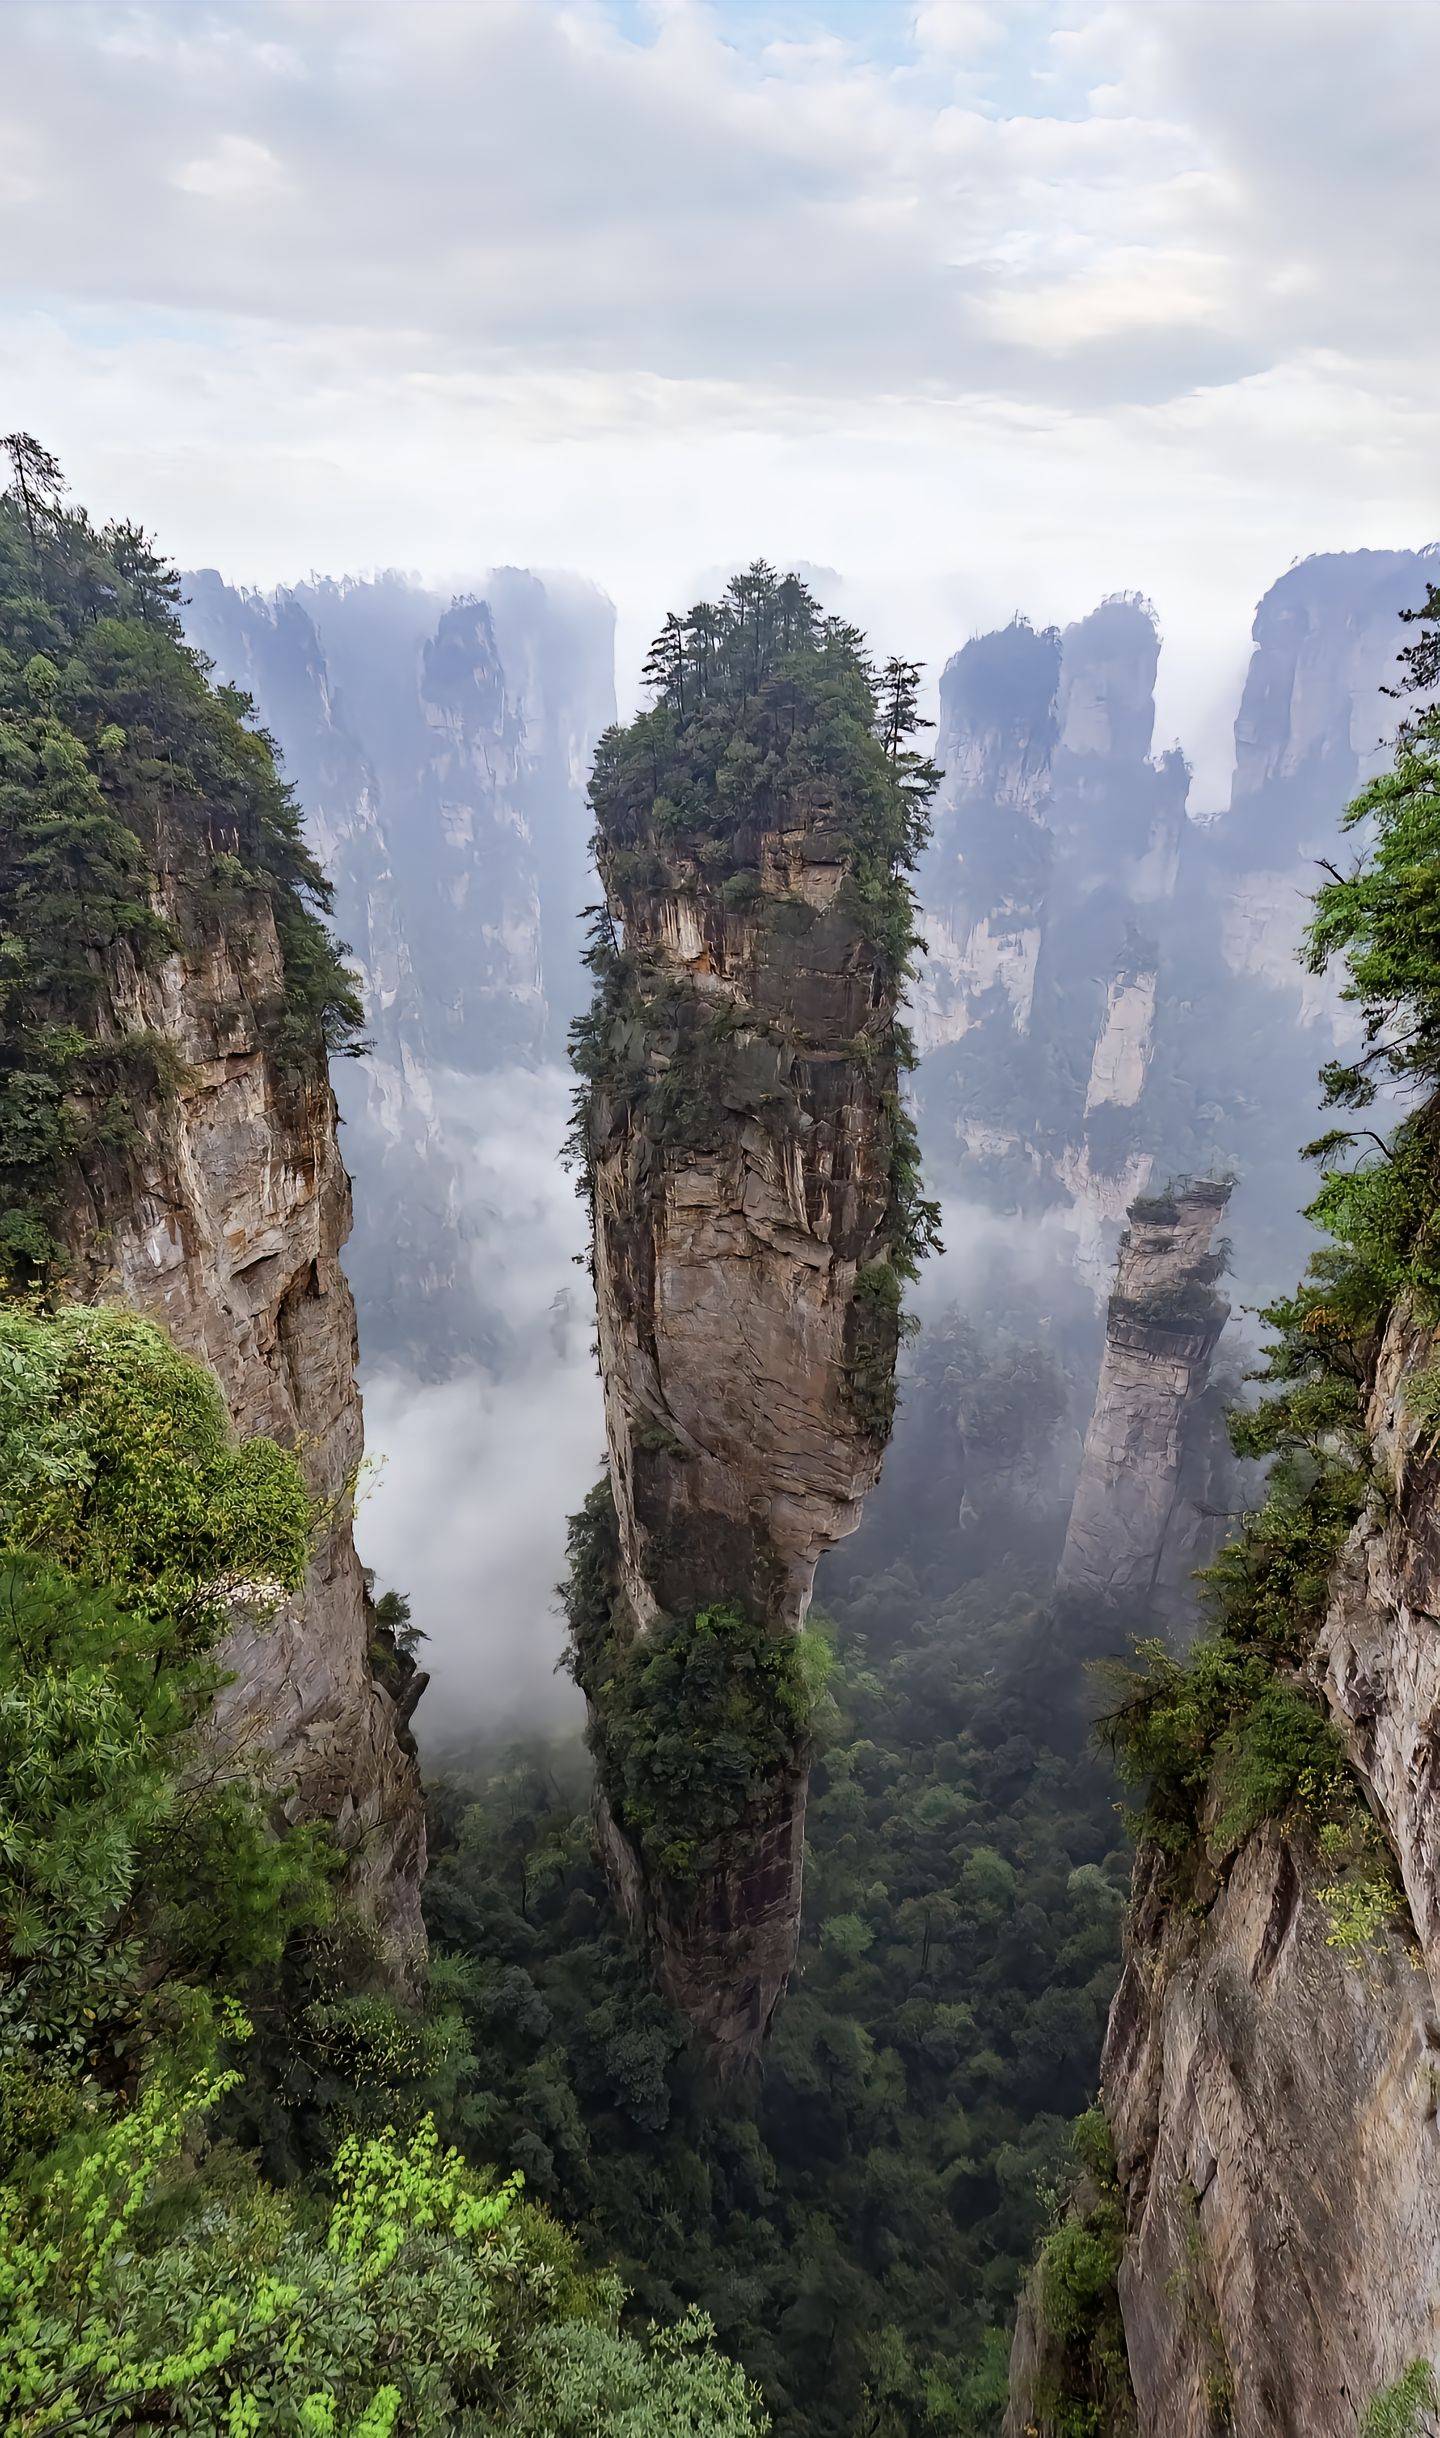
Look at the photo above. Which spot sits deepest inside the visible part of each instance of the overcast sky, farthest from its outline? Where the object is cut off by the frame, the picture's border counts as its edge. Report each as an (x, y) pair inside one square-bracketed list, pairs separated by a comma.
[(985, 303)]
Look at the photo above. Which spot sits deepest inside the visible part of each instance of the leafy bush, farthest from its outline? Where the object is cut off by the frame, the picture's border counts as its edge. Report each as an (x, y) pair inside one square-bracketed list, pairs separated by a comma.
[(117, 1462), (136, 2291), (129, 1865)]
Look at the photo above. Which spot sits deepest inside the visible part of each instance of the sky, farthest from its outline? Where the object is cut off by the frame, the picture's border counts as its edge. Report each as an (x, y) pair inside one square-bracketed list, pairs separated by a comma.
[(987, 304)]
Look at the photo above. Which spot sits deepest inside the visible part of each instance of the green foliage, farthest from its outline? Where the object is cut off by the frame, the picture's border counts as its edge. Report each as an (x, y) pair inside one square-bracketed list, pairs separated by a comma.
[(1086, 2393), (120, 764), (427, 2300), (149, 2279), (117, 1462), (1404, 2409), (128, 1865), (856, 2226), (695, 1724), (1077, 2275)]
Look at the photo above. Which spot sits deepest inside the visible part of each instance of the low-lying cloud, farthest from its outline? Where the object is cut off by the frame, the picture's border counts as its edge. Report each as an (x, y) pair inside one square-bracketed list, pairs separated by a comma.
[(473, 1478)]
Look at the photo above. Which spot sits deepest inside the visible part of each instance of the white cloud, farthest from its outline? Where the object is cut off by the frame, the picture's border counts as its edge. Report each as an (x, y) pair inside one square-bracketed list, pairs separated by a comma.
[(1128, 296), (474, 1478), (958, 26), (237, 170)]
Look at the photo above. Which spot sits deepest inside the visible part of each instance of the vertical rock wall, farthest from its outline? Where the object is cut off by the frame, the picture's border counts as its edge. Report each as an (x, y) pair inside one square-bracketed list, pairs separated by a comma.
[(224, 1222), (1274, 2092), (1131, 1527)]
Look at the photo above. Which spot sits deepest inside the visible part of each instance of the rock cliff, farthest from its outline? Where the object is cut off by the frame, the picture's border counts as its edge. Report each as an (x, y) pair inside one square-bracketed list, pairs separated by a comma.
[(1057, 838), (1136, 1532), (224, 1221), (168, 1130), (748, 1168), (1260, 2250), (1102, 961), (1271, 2083)]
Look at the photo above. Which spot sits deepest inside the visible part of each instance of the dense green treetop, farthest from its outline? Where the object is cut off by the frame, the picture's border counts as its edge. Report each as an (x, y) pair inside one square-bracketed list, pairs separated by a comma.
[(763, 702)]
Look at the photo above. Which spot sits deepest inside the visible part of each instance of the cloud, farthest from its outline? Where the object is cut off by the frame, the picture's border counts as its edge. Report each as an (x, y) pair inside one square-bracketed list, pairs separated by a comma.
[(1119, 296), (238, 170), (527, 180), (473, 1480)]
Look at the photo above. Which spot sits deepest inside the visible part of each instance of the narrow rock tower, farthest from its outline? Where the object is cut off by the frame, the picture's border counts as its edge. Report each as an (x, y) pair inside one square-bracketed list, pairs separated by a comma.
[(756, 1210), (1133, 1530)]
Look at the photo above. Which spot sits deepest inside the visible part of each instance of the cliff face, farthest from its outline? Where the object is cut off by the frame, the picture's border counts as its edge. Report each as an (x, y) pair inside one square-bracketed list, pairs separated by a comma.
[(1134, 1535), (439, 749), (742, 1133), (224, 1221), (1272, 2085)]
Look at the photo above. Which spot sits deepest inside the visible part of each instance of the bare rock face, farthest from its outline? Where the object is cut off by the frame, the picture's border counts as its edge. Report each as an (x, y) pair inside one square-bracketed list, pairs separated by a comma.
[(1132, 1533), (742, 1142), (224, 1222), (1274, 2095), (1273, 2102), (730, 1328)]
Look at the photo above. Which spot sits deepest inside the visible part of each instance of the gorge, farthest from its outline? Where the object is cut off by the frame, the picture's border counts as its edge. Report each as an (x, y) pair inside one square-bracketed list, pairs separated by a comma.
[(849, 2183)]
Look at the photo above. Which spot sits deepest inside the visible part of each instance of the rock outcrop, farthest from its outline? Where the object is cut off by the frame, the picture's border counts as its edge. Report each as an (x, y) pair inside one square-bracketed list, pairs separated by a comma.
[(439, 749), (224, 1221), (1136, 1530), (745, 1153)]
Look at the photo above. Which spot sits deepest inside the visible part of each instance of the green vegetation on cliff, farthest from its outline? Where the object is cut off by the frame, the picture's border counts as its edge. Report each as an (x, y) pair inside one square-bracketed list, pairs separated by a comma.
[(140, 815), (692, 1721), (769, 716)]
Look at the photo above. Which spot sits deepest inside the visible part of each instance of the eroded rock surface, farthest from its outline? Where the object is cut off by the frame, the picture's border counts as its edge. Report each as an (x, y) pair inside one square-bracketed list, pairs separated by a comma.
[(1274, 2092)]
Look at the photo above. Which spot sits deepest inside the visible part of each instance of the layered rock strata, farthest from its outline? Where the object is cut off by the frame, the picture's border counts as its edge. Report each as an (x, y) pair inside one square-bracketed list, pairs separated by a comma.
[(224, 1221), (742, 1130), (1134, 1534)]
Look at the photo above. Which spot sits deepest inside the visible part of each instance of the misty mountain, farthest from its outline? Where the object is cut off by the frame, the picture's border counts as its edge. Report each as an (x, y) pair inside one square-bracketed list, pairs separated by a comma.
[(1102, 965), (440, 748)]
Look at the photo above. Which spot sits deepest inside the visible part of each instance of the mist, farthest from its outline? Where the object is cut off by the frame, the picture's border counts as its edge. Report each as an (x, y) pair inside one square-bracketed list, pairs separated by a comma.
[(472, 1477)]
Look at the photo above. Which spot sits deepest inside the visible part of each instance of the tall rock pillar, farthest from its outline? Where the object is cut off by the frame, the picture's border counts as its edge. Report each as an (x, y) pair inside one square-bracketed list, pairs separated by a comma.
[(752, 1187), (1132, 1527)]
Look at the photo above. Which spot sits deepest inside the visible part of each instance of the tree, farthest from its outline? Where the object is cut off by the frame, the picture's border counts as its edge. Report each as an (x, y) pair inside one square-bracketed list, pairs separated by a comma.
[(664, 670), (39, 482), (898, 705)]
